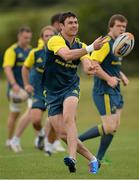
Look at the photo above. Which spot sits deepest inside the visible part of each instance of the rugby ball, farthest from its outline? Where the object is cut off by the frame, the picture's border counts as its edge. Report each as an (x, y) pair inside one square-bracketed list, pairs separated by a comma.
[(18, 97), (123, 44)]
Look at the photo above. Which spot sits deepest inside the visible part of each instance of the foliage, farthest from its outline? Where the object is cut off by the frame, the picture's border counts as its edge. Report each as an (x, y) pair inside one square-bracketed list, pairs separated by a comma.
[(93, 18)]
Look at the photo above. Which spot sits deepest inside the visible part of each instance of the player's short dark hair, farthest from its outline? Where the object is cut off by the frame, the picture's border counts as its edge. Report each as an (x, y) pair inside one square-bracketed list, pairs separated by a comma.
[(117, 17), (24, 29), (55, 18), (66, 15)]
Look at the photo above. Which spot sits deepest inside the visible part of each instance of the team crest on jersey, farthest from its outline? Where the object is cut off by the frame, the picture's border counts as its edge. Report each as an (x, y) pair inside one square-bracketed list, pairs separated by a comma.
[(39, 60), (20, 55)]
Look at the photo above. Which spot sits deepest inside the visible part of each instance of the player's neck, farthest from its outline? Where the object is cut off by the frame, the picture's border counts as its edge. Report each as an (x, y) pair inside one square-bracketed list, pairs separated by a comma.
[(111, 35), (70, 39), (22, 45)]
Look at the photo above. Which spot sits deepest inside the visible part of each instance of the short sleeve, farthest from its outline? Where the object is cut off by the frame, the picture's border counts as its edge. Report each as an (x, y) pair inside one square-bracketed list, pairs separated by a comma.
[(30, 60), (100, 55), (87, 56), (9, 57), (55, 43), (40, 43)]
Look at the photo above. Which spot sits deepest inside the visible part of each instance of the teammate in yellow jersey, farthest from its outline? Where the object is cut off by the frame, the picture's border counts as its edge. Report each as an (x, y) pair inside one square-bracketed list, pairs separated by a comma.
[(32, 74), (106, 94), (13, 61)]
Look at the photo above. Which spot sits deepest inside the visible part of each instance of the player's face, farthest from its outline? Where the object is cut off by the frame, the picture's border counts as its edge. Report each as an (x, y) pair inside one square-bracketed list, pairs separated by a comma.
[(46, 35), (24, 38), (118, 28), (70, 26)]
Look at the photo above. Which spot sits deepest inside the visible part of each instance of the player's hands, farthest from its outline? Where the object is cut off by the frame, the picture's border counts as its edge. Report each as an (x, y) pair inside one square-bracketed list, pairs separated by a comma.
[(125, 80), (113, 81), (29, 88), (16, 88), (93, 68), (98, 43)]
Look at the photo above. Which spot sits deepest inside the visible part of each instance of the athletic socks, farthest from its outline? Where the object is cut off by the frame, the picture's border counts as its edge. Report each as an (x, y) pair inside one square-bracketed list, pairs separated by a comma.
[(92, 133), (41, 132), (104, 144), (105, 139)]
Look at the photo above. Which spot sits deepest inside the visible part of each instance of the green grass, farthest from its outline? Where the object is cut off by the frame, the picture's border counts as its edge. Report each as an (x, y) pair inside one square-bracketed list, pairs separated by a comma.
[(124, 151)]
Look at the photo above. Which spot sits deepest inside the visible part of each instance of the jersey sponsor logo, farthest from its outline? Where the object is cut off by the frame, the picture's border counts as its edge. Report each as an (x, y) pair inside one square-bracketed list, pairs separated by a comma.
[(39, 70), (39, 60), (19, 63), (116, 63), (65, 64)]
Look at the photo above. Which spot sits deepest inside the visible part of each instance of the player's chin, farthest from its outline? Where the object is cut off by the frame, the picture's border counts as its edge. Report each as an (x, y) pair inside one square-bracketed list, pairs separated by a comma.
[(120, 33), (74, 33)]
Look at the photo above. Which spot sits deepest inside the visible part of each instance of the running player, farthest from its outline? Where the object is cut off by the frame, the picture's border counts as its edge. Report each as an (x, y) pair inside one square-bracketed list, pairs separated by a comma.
[(63, 55), (108, 98)]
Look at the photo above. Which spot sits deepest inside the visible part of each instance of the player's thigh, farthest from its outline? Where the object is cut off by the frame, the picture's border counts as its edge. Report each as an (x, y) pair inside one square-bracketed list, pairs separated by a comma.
[(36, 114), (58, 124), (70, 107)]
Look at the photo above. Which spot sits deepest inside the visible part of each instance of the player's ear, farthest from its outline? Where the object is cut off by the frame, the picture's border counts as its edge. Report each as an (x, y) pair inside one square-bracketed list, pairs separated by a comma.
[(61, 25)]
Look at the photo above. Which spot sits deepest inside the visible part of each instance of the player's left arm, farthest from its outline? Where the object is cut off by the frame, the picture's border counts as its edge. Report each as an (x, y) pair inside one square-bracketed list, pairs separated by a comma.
[(88, 68), (59, 47), (124, 78)]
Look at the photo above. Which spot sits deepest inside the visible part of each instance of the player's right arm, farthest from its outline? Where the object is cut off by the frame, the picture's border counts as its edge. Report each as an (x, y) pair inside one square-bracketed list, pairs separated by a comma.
[(58, 46), (9, 61), (98, 57), (30, 60)]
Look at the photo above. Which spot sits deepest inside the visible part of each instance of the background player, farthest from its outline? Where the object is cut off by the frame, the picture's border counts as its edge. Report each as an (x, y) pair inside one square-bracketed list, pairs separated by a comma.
[(32, 74), (13, 60), (55, 22)]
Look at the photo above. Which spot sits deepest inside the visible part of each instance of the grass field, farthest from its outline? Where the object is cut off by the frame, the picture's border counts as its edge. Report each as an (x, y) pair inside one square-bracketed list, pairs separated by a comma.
[(124, 151)]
